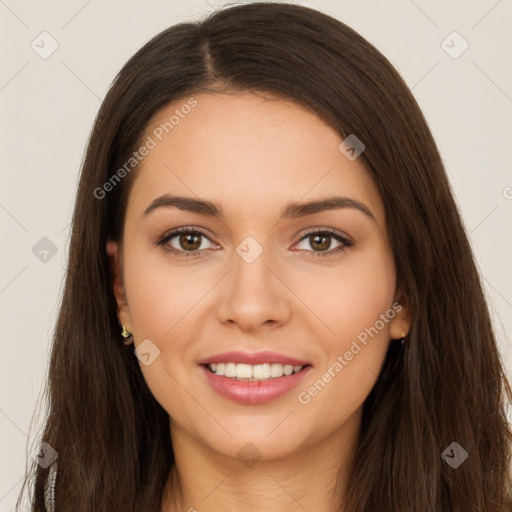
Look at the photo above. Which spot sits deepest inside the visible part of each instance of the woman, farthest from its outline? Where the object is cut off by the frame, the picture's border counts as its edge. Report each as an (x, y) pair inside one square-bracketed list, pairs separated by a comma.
[(264, 221)]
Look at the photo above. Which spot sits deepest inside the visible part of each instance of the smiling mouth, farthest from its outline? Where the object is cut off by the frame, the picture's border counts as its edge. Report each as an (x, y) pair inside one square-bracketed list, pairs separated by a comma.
[(250, 373)]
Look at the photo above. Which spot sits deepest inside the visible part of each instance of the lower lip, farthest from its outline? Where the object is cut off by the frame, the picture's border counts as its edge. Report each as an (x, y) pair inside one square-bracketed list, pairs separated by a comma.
[(255, 392)]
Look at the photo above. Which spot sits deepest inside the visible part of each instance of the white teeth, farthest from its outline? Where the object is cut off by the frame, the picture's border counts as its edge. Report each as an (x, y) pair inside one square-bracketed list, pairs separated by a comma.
[(230, 370), (276, 370), (243, 371), (261, 371), (253, 372)]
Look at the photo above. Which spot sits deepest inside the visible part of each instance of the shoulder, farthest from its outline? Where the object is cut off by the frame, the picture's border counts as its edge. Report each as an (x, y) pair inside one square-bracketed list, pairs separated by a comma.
[(49, 489)]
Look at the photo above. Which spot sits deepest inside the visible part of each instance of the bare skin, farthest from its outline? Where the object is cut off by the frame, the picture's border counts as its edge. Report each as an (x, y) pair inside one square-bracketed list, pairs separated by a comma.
[(253, 155)]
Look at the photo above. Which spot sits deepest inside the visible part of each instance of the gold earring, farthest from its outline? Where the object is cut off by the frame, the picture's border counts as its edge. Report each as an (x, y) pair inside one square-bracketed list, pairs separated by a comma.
[(403, 335), (125, 334)]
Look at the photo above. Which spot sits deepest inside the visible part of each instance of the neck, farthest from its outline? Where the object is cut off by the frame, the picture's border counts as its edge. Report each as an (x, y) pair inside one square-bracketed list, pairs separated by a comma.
[(312, 478)]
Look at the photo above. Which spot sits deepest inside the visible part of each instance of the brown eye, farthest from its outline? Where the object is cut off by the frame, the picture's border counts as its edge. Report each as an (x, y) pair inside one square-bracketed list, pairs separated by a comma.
[(190, 242), (185, 242), (321, 242)]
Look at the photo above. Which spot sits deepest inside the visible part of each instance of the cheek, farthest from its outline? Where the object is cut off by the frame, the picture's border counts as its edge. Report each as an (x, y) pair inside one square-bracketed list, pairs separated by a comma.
[(363, 297), (162, 295), (351, 306), (166, 302), (350, 297), (162, 300)]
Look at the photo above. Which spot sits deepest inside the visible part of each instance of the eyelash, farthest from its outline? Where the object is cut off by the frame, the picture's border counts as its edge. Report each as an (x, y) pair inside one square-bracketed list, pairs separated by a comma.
[(345, 243)]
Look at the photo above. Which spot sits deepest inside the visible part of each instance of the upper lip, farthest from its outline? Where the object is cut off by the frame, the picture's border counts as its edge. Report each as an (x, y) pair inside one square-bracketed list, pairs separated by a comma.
[(253, 358)]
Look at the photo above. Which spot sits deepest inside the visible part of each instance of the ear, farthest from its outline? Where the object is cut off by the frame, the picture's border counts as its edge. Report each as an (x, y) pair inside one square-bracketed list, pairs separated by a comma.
[(400, 325), (115, 255)]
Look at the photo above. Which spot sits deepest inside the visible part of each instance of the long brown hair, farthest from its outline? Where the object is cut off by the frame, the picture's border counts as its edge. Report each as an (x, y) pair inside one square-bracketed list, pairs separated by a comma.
[(445, 384)]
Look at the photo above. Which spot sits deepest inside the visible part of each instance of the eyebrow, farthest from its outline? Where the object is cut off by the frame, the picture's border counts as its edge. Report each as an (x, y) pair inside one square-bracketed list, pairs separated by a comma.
[(290, 211)]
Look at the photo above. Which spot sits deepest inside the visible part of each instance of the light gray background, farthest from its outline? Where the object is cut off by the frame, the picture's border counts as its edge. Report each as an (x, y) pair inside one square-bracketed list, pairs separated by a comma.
[(48, 107)]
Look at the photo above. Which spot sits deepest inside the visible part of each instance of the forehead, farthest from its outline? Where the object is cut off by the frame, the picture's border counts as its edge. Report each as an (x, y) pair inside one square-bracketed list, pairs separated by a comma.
[(247, 152)]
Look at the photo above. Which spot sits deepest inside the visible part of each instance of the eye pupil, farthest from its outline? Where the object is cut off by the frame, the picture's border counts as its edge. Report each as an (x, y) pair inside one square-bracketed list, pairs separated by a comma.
[(318, 245), (187, 238)]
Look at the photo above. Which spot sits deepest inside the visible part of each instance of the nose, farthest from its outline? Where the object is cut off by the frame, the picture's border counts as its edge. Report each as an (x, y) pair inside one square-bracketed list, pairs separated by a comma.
[(253, 294)]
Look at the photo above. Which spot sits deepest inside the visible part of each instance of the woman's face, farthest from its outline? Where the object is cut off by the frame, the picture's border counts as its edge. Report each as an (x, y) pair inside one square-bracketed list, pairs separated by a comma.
[(261, 275)]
